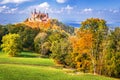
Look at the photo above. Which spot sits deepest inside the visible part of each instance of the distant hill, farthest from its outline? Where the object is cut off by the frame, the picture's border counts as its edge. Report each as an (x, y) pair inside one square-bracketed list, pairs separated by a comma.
[(63, 26)]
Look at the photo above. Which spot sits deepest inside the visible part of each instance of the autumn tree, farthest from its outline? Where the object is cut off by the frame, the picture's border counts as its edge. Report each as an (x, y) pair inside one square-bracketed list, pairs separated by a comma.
[(99, 30), (11, 44), (82, 44)]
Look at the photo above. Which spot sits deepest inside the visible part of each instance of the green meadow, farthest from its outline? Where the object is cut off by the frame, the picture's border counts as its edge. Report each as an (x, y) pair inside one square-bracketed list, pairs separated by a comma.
[(29, 66)]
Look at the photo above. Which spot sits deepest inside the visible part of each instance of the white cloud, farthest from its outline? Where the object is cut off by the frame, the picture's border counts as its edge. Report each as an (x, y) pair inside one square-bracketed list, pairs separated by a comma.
[(114, 10), (13, 1), (68, 7), (61, 1), (46, 7), (2, 8), (108, 11), (88, 10), (5, 9), (42, 7), (10, 11)]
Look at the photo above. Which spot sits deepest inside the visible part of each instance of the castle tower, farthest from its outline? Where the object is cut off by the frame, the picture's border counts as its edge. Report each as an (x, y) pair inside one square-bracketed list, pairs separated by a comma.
[(39, 12), (47, 15), (35, 12)]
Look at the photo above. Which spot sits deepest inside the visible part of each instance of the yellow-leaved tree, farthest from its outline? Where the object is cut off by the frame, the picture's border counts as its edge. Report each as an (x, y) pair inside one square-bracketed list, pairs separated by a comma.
[(82, 44), (11, 44)]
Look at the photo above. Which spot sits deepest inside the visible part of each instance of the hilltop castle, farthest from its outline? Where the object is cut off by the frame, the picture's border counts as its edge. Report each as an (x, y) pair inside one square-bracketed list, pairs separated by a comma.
[(38, 16)]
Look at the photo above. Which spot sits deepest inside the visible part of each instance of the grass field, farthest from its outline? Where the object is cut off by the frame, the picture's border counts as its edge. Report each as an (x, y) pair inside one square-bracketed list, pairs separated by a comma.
[(30, 67)]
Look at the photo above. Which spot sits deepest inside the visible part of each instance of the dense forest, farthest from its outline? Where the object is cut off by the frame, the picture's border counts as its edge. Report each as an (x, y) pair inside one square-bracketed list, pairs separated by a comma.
[(92, 48)]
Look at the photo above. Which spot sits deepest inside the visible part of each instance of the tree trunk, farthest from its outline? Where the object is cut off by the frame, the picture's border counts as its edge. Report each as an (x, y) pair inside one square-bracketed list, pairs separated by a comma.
[(94, 66)]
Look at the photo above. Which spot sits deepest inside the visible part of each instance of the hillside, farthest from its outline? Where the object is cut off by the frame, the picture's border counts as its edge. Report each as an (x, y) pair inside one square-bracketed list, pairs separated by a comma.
[(29, 67), (51, 24), (87, 50)]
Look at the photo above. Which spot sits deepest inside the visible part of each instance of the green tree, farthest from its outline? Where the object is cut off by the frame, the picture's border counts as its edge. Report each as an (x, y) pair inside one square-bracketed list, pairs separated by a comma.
[(60, 51), (57, 35), (3, 31), (41, 45), (11, 44), (26, 33), (112, 54), (60, 47), (45, 48)]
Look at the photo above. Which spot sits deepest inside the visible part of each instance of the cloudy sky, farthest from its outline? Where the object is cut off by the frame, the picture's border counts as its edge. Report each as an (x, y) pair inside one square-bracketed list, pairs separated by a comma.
[(12, 11)]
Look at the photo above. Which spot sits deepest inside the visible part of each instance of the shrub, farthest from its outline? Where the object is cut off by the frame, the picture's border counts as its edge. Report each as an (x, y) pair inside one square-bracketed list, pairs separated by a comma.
[(11, 44)]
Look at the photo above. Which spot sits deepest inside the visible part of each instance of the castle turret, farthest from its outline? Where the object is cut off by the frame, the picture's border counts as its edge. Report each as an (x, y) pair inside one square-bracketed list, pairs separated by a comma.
[(39, 12), (35, 12), (47, 15)]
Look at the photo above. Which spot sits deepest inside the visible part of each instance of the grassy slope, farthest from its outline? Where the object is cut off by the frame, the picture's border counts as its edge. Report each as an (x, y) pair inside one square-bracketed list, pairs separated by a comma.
[(22, 68)]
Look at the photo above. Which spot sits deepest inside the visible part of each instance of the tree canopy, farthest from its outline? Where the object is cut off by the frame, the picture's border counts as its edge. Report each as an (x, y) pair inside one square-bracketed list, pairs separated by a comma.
[(11, 44)]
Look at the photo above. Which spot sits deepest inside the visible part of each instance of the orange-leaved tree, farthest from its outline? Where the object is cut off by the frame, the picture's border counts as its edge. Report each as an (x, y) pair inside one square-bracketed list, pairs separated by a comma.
[(82, 44)]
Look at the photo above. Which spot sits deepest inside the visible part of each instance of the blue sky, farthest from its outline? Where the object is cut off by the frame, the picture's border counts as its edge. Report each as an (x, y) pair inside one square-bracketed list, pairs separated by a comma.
[(12, 11)]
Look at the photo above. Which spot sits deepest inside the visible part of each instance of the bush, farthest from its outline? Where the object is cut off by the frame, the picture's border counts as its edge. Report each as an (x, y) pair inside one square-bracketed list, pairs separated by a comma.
[(11, 44), (61, 51)]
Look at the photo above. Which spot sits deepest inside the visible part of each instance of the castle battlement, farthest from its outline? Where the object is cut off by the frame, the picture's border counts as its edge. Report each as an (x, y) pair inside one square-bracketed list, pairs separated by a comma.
[(38, 16)]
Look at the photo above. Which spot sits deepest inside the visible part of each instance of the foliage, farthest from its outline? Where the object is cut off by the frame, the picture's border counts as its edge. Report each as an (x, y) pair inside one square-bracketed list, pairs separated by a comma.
[(3, 31), (11, 44), (94, 24), (44, 40), (99, 30), (26, 33), (82, 44), (45, 48), (38, 25), (61, 50), (56, 35), (41, 44), (112, 56), (68, 29)]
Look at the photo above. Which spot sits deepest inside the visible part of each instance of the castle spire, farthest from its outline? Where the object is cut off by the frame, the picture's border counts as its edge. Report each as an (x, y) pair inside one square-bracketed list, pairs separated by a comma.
[(39, 12), (31, 12), (35, 11), (47, 15)]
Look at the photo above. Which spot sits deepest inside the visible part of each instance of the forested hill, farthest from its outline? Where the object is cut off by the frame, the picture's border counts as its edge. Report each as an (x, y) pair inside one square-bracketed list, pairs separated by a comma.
[(50, 24)]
